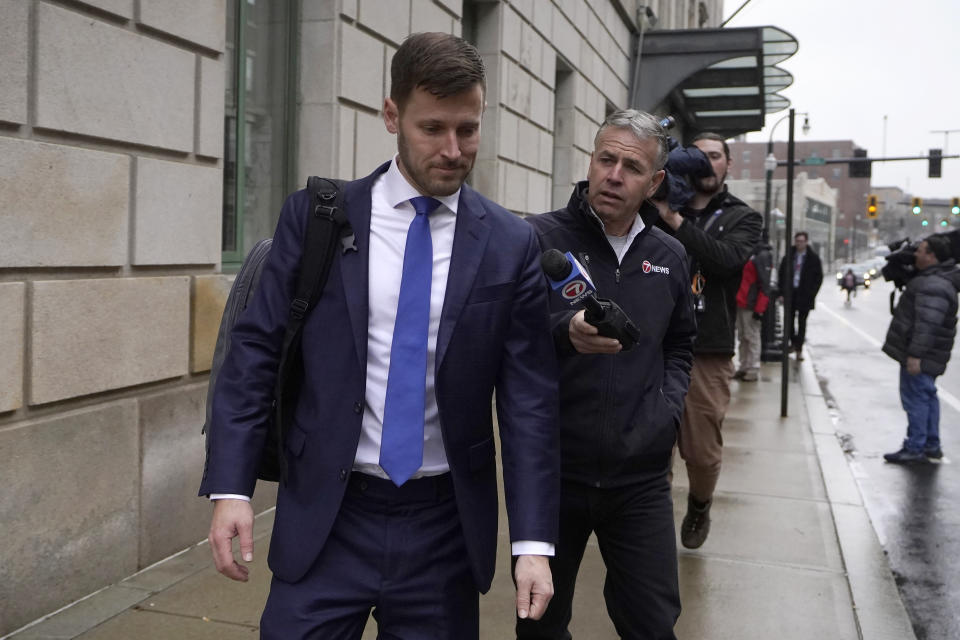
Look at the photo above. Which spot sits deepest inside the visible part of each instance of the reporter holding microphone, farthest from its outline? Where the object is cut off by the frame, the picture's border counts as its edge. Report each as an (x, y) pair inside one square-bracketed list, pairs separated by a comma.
[(621, 398)]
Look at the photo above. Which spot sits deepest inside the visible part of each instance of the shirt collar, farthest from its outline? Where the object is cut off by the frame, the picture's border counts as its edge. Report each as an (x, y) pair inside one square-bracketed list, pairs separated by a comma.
[(398, 190), (635, 229)]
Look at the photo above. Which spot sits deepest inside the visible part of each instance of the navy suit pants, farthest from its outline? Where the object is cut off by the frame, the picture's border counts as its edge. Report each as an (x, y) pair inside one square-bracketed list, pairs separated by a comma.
[(399, 552)]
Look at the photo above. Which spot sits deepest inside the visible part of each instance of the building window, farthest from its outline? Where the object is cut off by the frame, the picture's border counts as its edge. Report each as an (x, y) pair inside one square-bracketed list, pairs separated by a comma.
[(837, 172), (745, 174), (258, 166), (746, 156)]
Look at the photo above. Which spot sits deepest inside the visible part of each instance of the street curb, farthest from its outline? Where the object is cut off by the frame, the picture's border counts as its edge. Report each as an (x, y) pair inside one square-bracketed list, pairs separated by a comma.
[(877, 607)]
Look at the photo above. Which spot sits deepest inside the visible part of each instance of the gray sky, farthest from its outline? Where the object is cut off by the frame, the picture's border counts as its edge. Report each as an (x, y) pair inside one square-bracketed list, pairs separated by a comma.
[(862, 59)]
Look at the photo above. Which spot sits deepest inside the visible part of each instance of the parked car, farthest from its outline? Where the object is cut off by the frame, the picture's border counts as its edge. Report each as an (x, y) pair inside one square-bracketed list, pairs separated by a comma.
[(861, 272)]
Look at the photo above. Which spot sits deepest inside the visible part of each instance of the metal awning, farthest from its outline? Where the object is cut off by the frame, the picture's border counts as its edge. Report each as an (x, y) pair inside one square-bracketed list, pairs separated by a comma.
[(722, 80)]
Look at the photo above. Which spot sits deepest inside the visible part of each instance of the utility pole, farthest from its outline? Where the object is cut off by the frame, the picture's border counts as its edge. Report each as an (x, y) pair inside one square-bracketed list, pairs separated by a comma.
[(946, 137)]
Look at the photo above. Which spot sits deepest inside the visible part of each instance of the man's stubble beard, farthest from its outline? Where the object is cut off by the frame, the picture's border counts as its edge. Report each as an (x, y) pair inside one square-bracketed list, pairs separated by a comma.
[(422, 180), (717, 186)]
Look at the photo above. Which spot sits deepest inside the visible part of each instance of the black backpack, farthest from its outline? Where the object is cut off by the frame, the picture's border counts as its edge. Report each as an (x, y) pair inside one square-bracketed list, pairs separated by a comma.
[(326, 225)]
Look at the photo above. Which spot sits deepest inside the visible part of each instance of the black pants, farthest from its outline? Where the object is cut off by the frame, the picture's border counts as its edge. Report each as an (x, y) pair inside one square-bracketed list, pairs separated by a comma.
[(635, 530), (798, 327)]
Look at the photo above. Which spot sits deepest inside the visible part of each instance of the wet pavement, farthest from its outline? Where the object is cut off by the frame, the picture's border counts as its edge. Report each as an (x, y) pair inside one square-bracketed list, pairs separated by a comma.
[(915, 509), (791, 553)]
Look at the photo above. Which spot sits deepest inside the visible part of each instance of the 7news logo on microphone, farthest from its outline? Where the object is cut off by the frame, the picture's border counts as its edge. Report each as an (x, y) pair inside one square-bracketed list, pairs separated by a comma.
[(576, 285)]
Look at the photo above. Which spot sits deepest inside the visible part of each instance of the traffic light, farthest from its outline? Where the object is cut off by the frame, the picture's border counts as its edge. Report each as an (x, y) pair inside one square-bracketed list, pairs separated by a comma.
[(933, 169), (916, 205), (872, 206), (943, 223), (924, 223), (955, 206), (859, 168)]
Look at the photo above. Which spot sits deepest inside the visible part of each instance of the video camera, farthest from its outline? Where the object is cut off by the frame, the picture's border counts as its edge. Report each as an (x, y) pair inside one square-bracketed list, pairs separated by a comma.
[(899, 268), (683, 164)]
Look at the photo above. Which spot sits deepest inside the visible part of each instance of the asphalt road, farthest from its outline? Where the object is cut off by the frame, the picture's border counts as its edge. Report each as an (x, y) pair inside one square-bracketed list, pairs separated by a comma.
[(915, 509)]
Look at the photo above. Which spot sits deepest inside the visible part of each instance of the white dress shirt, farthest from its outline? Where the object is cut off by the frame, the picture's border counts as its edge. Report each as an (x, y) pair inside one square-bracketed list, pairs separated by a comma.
[(390, 216)]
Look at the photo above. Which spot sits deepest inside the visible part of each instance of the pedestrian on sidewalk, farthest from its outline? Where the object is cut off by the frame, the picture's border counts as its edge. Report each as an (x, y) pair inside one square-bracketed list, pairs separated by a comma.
[(920, 338), (753, 296), (619, 409), (390, 500), (719, 232), (807, 278)]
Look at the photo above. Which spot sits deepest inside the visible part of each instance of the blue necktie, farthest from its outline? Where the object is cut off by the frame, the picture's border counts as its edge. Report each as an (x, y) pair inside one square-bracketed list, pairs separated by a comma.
[(401, 443)]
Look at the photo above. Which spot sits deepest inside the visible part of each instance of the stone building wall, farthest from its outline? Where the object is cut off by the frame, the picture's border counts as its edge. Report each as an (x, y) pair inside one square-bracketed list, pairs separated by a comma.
[(111, 137), (111, 195)]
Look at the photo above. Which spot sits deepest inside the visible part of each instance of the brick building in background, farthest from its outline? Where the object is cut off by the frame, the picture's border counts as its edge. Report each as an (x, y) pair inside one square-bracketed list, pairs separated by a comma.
[(852, 193)]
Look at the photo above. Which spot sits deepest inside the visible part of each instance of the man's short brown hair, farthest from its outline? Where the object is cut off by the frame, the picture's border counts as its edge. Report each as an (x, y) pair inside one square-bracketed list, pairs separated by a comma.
[(710, 135), (440, 63)]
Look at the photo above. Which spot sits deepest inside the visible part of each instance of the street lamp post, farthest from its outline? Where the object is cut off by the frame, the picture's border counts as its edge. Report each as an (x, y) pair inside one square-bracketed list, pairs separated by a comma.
[(770, 164), (788, 299), (769, 348)]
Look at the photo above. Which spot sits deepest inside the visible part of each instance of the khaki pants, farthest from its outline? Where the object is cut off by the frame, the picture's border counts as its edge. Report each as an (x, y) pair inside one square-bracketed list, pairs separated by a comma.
[(748, 332), (700, 441)]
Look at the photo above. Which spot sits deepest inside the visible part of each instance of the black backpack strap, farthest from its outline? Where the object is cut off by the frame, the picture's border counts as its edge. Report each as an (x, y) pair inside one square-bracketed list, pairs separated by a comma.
[(327, 225)]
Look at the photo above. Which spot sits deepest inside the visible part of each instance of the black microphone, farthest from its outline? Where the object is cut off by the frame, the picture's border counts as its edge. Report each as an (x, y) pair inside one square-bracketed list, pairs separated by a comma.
[(570, 279)]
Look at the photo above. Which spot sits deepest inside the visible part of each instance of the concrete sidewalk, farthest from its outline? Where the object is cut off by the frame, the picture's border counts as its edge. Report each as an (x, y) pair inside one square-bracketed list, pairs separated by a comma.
[(791, 553)]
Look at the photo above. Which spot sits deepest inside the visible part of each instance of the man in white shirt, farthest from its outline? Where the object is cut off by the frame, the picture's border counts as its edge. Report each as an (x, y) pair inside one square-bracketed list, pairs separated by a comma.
[(390, 500)]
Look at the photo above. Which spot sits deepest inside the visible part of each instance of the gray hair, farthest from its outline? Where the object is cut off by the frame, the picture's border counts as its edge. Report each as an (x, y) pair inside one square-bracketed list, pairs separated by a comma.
[(643, 125)]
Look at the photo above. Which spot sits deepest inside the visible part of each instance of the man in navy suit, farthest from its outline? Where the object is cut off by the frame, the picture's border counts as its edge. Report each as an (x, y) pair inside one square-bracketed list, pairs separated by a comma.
[(390, 503)]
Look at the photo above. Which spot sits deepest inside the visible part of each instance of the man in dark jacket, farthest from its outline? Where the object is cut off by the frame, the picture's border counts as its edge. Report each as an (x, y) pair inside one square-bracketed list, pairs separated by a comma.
[(620, 408), (807, 278), (920, 338), (719, 231)]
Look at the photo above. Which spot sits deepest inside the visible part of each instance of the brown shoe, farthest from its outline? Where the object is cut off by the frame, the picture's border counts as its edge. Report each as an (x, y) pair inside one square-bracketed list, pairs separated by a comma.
[(696, 524)]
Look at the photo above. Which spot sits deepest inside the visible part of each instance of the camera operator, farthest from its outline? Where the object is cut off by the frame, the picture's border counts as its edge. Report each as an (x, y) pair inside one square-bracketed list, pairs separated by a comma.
[(920, 338), (719, 231), (619, 409)]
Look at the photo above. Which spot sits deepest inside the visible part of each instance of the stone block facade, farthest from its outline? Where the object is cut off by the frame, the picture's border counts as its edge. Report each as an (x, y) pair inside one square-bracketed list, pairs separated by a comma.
[(111, 191), (62, 206), (13, 61), (113, 185), (95, 335), (69, 488), (12, 305)]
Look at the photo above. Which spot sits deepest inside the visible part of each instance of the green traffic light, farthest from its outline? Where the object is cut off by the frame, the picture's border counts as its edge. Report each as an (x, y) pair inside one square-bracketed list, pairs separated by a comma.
[(943, 223), (955, 210), (924, 223), (916, 211)]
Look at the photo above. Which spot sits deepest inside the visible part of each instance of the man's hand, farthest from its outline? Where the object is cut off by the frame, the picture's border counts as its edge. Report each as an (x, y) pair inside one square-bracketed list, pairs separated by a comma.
[(672, 218), (913, 365), (534, 586), (586, 339), (231, 518)]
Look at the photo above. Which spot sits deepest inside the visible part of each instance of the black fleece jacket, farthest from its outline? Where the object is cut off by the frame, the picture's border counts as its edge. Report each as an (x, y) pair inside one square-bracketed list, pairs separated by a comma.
[(925, 321), (619, 413), (719, 240)]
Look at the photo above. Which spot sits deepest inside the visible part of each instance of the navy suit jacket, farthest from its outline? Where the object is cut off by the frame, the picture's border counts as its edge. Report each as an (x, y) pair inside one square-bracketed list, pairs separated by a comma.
[(494, 334)]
